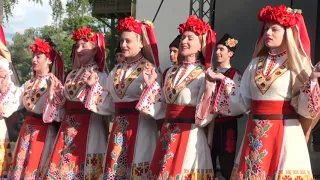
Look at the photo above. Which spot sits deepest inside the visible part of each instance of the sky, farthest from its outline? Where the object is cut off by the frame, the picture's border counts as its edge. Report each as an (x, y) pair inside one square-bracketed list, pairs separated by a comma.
[(27, 14)]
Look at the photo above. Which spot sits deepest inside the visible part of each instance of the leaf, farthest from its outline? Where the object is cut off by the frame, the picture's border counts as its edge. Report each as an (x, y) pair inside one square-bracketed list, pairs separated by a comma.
[(248, 174), (178, 177), (113, 156), (250, 138), (263, 175), (248, 161), (72, 165), (166, 175), (263, 154), (51, 176), (266, 128), (115, 167)]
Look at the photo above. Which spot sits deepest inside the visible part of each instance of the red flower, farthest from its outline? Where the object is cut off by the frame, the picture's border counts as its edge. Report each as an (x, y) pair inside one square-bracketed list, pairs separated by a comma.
[(83, 33), (195, 25), (287, 177), (94, 161), (298, 178), (139, 171), (279, 14), (41, 46), (128, 24)]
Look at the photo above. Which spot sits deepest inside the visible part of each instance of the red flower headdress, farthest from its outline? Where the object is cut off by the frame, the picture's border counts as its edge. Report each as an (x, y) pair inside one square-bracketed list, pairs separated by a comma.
[(145, 30), (129, 24), (195, 25), (57, 63), (41, 46), (83, 33), (203, 29), (290, 18), (98, 38), (280, 14)]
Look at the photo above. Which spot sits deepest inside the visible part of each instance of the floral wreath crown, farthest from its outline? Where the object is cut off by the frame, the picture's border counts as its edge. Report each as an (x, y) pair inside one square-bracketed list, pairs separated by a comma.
[(195, 25), (83, 33), (132, 24), (283, 15), (41, 46)]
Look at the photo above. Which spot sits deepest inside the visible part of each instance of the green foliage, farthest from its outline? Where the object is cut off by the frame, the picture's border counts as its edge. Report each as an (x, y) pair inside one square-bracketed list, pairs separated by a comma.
[(77, 14)]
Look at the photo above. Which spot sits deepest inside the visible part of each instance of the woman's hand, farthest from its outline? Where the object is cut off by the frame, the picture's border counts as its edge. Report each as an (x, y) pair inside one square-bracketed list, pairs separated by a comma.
[(90, 77), (149, 74), (4, 83), (315, 72)]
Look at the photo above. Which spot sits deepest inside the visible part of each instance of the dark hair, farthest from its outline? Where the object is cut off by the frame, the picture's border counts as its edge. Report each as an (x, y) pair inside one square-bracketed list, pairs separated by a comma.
[(201, 58)]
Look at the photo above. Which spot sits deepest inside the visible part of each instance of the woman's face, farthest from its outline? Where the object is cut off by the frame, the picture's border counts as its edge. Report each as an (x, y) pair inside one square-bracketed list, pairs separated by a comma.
[(130, 44), (273, 35), (40, 62), (85, 51), (189, 44)]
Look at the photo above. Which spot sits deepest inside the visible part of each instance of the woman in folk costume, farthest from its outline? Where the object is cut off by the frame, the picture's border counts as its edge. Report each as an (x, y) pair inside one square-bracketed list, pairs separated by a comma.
[(279, 88), (133, 135), (182, 150), (5, 70), (36, 136), (81, 142)]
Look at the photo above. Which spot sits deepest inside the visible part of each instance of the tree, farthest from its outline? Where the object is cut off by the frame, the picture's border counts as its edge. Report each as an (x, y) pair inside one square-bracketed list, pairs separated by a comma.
[(76, 16)]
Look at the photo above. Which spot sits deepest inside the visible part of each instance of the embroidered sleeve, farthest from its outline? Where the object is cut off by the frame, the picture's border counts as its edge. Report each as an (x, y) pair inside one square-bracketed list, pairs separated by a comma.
[(97, 98), (11, 100), (203, 111), (308, 104), (53, 108), (233, 97), (152, 102)]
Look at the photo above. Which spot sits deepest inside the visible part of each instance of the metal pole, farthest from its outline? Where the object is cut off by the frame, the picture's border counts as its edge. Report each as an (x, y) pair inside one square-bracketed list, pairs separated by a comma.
[(201, 9), (190, 12), (155, 16), (213, 8)]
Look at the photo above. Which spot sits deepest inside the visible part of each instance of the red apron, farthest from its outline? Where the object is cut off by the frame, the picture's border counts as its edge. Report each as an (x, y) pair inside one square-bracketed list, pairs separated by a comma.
[(29, 148), (263, 140), (69, 158), (121, 146), (168, 158)]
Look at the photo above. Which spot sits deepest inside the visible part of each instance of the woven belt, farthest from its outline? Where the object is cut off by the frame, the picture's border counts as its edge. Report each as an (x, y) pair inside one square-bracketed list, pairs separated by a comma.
[(273, 116), (126, 110), (180, 120), (78, 111), (37, 116)]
